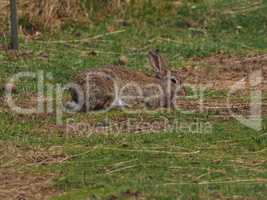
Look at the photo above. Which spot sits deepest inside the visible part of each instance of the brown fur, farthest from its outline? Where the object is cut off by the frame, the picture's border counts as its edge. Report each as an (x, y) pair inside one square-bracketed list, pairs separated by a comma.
[(101, 88)]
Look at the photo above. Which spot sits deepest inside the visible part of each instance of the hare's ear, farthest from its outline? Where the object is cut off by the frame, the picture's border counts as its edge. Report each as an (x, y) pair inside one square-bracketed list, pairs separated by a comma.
[(158, 63)]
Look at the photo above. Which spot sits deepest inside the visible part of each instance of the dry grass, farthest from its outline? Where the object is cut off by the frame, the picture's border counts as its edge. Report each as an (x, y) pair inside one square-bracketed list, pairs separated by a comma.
[(49, 14), (16, 182), (52, 14)]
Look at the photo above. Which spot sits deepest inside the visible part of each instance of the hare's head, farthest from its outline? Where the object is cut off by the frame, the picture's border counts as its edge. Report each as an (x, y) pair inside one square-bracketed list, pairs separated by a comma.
[(160, 65)]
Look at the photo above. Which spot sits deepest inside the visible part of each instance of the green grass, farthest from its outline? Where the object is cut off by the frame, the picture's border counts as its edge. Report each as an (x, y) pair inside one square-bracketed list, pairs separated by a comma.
[(228, 163), (148, 163)]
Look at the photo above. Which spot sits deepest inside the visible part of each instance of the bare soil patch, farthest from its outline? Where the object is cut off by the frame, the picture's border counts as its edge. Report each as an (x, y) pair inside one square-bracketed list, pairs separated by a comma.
[(219, 74), (17, 181), (221, 71), (21, 186)]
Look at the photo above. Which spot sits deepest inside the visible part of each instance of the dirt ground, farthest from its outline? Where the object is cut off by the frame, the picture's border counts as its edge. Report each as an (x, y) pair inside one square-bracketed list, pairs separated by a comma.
[(220, 72), (219, 75), (23, 186), (17, 182)]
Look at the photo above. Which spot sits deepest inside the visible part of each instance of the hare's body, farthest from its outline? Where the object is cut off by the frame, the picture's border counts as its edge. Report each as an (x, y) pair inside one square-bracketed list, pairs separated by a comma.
[(114, 85), (118, 72)]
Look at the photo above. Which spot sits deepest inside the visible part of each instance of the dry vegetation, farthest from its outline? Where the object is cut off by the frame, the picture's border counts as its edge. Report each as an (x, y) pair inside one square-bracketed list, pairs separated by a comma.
[(46, 13), (17, 182), (52, 14)]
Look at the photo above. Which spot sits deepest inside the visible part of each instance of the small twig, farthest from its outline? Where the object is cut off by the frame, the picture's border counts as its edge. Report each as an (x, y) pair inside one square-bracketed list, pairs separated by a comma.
[(121, 169), (261, 151), (84, 39), (234, 181), (249, 181), (242, 8), (45, 162), (151, 151), (202, 175), (124, 162)]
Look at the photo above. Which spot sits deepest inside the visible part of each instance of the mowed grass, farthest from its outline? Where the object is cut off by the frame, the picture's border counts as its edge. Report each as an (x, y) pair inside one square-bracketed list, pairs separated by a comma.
[(229, 162)]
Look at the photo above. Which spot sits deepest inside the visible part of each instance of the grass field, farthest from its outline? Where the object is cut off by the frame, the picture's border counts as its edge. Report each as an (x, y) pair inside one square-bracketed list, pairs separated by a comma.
[(209, 156)]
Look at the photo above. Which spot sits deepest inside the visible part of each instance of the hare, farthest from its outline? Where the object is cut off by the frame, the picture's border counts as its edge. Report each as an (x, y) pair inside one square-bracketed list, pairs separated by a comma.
[(115, 85)]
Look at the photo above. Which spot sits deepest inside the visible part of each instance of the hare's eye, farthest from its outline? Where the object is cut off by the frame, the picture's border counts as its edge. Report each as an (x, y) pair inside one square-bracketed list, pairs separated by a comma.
[(173, 79)]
